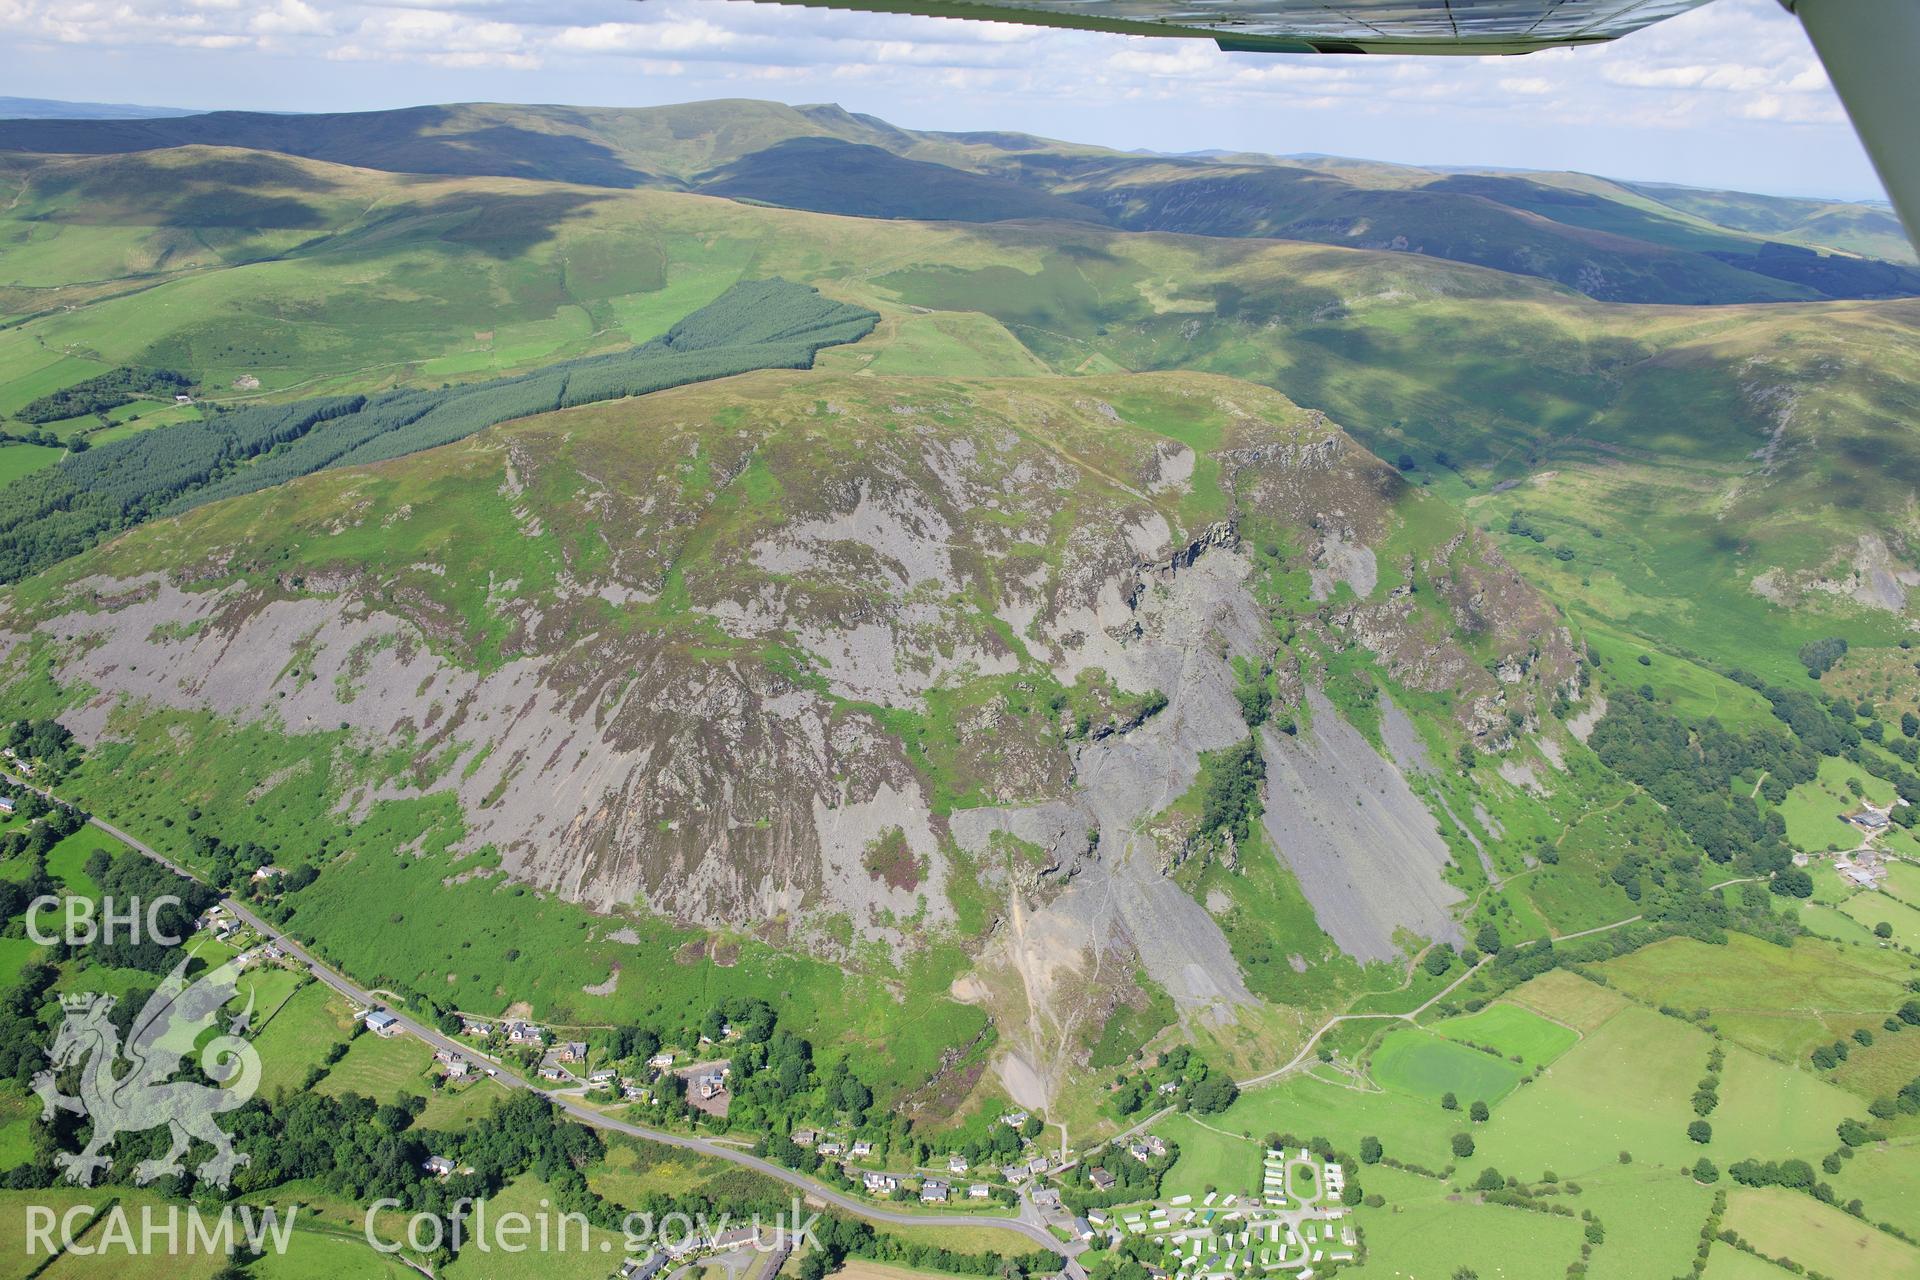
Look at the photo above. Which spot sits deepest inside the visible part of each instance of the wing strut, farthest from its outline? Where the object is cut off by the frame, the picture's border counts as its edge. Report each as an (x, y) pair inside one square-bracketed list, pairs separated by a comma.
[(1871, 49)]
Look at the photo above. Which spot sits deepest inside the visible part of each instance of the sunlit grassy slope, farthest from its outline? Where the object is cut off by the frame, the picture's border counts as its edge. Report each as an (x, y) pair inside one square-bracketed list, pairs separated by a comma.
[(1704, 447)]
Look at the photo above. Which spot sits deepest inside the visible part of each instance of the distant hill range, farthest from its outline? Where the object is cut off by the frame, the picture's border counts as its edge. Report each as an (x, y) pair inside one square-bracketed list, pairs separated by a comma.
[(1610, 240), (52, 109)]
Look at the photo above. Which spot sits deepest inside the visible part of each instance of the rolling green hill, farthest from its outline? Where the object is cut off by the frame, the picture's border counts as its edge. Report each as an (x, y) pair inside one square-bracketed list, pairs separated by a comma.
[(1689, 458), (1603, 239), (1663, 479)]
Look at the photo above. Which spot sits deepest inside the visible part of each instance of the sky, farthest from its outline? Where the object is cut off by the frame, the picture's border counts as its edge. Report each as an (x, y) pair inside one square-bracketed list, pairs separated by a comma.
[(1729, 95)]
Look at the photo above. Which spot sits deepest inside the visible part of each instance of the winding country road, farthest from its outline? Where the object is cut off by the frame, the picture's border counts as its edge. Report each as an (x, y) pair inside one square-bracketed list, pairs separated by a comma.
[(1028, 1223)]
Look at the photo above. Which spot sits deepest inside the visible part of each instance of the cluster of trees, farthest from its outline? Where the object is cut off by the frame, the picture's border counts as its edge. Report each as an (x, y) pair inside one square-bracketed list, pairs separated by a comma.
[(1254, 691), (44, 740), (87, 497), (47, 825), (1196, 1086), (225, 864), (1904, 1103), (98, 395), (1133, 1179), (1818, 656), (1706, 1095), (1689, 768), (45, 439), (776, 1084), (131, 879), (1231, 800)]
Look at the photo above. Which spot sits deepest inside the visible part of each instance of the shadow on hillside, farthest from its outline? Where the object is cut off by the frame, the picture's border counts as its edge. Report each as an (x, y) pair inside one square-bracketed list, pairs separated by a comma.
[(251, 191), (497, 224), (456, 141)]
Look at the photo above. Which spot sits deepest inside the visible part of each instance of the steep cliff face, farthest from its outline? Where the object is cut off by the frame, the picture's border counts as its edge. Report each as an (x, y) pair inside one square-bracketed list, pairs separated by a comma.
[(839, 660)]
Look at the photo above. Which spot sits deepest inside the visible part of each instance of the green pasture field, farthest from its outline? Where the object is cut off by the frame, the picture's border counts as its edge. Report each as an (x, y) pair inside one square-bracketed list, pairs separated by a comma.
[(17, 1263), (1628, 1087), (1624, 1088), (1875, 907), (1210, 1156), (1885, 1176), (1782, 1223), (18, 460), (1903, 882), (19, 1109), (1425, 1230), (1418, 1063), (1776, 1000), (1564, 996), (298, 1035), (1652, 1217), (1837, 924), (456, 1107), (580, 1259), (1813, 809), (955, 344), (325, 1255), (1212, 1152), (381, 1067), (1513, 1030), (1729, 1263), (14, 955), (1883, 1068)]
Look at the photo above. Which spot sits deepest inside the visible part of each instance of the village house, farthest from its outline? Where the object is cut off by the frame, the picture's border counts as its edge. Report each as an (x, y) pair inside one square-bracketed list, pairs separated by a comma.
[(382, 1023), (1047, 1198), (832, 1147), (437, 1166), (602, 1079), (6, 804), (713, 1085), (933, 1191), (862, 1149), (1037, 1166), (475, 1027), (737, 1238), (524, 1033), (804, 1137), (880, 1184), (956, 1164), (643, 1269), (1101, 1180), (979, 1191), (661, 1061), (1014, 1119), (571, 1051)]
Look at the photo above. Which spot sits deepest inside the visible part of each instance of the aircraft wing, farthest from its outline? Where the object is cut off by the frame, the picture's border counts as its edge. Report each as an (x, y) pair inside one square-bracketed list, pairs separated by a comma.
[(1318, 26), (1871, 48)]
